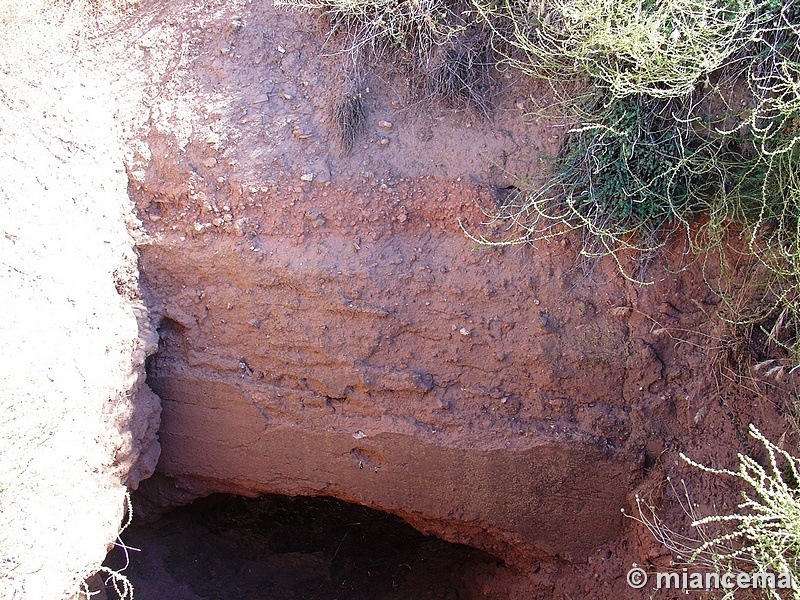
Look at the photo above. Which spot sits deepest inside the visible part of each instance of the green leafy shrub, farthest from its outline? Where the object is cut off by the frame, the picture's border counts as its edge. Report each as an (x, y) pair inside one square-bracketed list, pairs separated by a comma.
[(629, 165), (631, 170)]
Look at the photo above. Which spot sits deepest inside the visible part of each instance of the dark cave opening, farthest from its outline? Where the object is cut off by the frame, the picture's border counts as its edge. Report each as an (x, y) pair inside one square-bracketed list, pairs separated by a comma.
[(227, 547)]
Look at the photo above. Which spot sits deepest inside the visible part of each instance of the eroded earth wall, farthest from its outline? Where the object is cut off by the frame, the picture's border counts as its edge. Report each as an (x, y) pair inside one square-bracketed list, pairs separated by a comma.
[(328, 328)]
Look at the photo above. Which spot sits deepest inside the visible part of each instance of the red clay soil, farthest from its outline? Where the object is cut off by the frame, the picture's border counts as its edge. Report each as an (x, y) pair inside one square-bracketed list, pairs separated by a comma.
[(327, 329)]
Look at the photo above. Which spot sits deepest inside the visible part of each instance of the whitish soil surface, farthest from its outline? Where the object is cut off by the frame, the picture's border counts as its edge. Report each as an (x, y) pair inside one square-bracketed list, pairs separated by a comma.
[(72, 355)]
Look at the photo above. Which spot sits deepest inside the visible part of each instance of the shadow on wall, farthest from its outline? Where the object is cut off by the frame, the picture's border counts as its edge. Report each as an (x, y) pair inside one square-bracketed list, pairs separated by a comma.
[(283, 547)]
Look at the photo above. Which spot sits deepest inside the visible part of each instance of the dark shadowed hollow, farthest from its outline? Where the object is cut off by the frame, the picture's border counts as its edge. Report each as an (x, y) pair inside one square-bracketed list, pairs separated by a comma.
[(292, 548)]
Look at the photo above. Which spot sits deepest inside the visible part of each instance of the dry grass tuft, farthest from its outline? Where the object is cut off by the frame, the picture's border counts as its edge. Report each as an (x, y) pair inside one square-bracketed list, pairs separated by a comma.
[(350, 117)]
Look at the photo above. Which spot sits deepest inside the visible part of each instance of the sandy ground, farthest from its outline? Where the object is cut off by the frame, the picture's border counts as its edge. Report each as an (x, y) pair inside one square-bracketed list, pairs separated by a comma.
[(69, 330)]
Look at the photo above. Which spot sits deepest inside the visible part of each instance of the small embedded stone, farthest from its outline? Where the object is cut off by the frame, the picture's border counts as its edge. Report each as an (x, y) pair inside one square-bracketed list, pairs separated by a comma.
[(315, 218), (245, 226)]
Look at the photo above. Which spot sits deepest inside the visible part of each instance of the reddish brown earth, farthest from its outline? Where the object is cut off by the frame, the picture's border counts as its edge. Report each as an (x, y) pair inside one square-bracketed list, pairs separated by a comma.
[(339, 335)]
